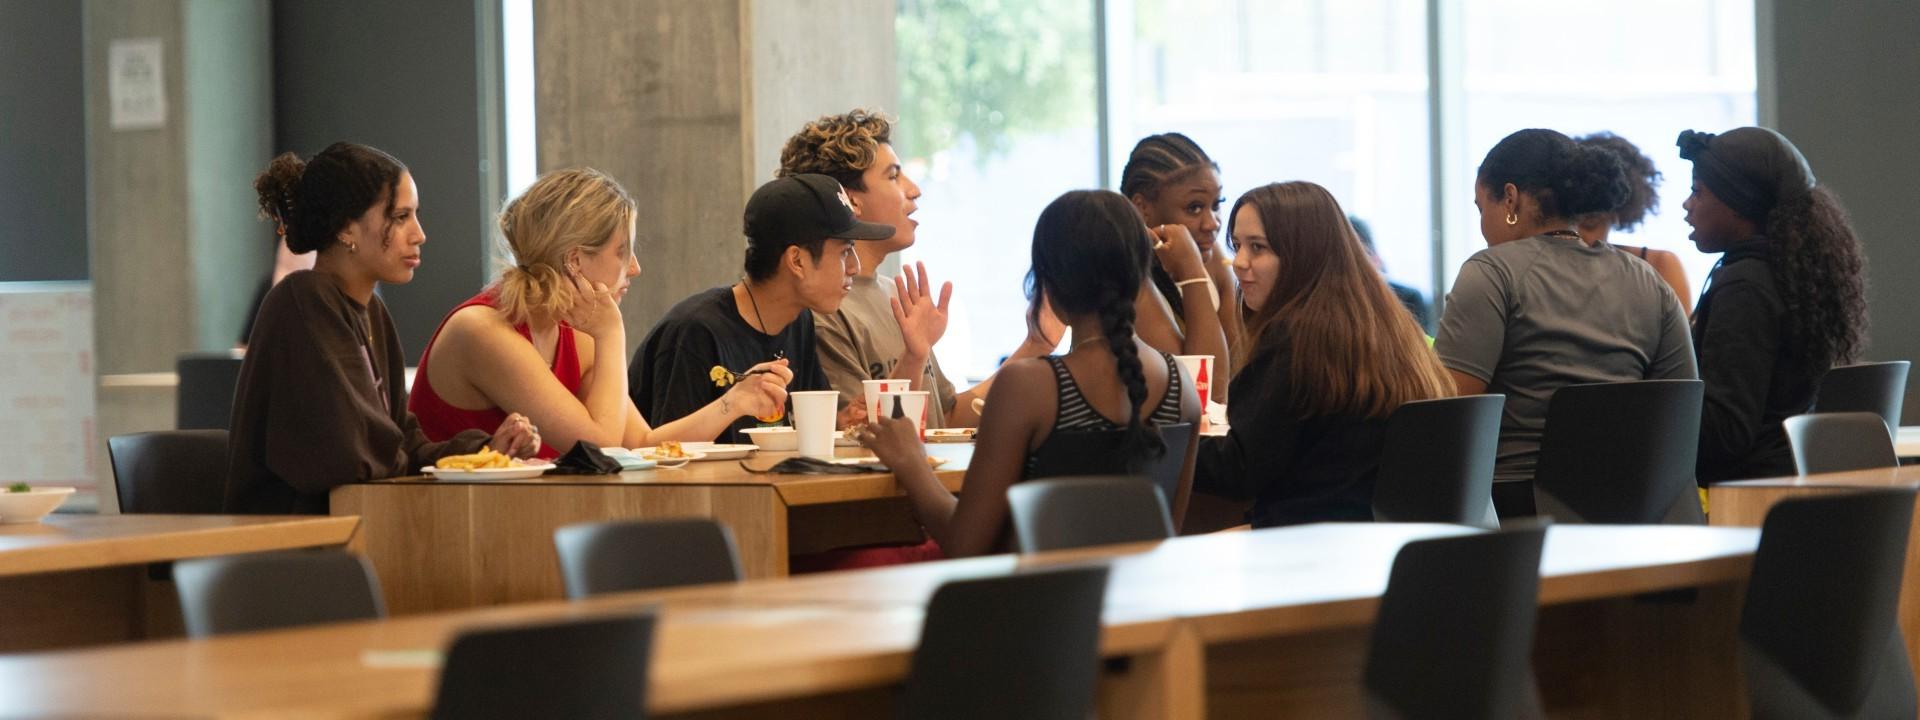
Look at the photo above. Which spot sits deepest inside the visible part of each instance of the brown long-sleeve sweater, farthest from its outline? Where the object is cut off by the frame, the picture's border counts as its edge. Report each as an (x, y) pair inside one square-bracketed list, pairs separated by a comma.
[(322, 402)]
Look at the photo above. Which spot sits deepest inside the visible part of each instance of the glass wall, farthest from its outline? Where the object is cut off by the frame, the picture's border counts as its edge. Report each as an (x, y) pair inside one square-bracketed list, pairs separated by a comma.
[(1002, 105)]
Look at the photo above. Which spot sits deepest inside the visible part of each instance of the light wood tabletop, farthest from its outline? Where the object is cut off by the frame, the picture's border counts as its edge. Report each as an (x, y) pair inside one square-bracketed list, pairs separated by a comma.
[(443, 545), (80, 542), (801, 646), (75, 580)]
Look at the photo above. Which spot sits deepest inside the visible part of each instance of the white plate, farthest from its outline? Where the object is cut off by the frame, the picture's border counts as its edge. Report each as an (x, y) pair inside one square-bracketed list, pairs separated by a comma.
[(840, 439), (506, 473), (949, 435), (647, 453), (719, 451)]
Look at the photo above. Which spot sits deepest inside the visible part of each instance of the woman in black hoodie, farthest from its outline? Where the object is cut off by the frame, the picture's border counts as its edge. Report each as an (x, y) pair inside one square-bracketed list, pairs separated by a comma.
[(1786, 302)]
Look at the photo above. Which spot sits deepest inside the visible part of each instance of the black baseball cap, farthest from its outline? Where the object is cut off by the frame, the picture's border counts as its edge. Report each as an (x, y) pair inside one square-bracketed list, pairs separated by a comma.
[(805, 208)]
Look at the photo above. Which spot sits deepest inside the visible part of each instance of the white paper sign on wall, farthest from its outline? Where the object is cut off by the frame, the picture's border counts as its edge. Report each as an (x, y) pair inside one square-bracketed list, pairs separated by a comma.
[(136, 84)]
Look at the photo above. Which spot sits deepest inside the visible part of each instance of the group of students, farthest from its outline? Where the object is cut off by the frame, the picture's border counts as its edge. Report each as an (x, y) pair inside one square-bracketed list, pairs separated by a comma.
[(1319, 348)]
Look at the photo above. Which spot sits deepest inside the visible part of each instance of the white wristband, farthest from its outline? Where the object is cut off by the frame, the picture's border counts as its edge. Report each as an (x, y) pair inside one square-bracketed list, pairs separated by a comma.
[(1211, 294)]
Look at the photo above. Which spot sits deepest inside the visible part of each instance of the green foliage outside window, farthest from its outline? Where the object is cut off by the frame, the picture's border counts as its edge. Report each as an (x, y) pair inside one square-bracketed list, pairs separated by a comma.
[(991, 70)]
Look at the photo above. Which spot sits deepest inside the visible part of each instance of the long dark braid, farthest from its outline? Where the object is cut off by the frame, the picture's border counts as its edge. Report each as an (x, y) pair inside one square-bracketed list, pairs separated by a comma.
[(1090, 254)]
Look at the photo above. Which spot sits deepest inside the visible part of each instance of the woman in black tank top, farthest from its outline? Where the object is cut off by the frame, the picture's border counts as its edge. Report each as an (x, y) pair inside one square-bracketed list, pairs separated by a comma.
[(1090, 256)]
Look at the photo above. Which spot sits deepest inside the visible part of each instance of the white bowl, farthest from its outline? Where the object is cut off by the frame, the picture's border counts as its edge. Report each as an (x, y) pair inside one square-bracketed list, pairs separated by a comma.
[(774, 439), (29, 507)]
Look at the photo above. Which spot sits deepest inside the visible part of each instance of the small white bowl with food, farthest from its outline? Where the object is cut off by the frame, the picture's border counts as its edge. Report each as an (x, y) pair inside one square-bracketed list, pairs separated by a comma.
[(782, 438), (22, 503)]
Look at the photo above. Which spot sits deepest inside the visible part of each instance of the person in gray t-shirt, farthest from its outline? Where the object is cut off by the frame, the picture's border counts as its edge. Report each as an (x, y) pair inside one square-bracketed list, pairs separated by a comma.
[(1541, 309), (887, 328)]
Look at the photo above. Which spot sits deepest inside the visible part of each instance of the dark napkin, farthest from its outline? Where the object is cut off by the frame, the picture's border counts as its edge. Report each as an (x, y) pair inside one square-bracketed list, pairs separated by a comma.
[(812, 466), (585, 459)]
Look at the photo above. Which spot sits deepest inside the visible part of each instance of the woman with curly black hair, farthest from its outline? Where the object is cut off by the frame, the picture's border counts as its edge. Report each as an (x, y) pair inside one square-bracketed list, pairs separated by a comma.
[(1786, 302), (1643, 199)]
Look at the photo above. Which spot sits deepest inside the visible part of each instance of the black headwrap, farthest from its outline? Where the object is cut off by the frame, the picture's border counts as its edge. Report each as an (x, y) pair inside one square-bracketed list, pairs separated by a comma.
[(1750, 169)]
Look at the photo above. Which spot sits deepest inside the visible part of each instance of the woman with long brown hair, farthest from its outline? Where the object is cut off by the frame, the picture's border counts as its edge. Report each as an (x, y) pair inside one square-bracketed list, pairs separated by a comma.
[(1331, 353)]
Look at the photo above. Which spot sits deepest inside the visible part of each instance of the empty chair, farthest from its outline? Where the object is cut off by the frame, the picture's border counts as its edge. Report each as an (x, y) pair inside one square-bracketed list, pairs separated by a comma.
[(1453, 636), (204, 397), (1621, 453), (1838, 442), (1437, 462), (1081, 512), (1077, 454), (1879, 388), (1819, 637), (265, 591), (175, 471), (1013, 647), (592, 669), (598, 558)]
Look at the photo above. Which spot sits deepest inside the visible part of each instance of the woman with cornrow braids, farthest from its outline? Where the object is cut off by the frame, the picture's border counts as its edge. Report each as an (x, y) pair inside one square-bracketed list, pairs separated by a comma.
[(1186, 308), (322, 397), (1090, 259)]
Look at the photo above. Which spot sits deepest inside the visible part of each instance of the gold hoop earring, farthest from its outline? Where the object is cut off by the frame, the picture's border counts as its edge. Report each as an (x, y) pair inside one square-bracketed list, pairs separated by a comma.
[(1513, 219)]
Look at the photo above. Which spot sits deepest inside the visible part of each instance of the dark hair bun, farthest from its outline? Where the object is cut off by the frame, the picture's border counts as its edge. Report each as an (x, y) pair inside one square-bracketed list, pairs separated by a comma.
[(1593, 180), (276, 188)]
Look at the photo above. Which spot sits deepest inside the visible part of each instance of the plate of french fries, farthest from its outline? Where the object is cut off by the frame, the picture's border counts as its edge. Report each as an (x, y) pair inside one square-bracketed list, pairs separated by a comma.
[(485, 465)]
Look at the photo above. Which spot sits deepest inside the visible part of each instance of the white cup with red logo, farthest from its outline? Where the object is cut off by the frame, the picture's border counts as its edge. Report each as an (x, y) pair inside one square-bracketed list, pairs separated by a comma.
[(912, 404), (875, 388), (1200, 370)]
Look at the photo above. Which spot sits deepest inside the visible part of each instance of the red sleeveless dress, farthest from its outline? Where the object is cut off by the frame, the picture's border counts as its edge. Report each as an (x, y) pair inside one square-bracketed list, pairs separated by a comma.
[(441, 420)]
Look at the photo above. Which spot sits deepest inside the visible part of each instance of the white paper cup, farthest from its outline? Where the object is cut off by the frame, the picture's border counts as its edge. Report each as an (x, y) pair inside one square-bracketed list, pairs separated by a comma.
[(875, 387), (1201, 372), (813, 416), (913, 404)]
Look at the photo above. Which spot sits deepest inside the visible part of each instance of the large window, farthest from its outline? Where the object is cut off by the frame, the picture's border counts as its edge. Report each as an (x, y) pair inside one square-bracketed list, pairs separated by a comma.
[(1002, 111)]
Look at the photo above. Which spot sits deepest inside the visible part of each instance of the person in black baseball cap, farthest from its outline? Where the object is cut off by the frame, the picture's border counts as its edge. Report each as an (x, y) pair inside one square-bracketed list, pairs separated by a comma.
[(799, 261), (1786, 302)]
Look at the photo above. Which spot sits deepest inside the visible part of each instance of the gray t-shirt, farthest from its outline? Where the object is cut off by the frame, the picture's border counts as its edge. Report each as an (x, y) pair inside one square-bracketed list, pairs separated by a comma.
[(862, 341), (1534, 315)]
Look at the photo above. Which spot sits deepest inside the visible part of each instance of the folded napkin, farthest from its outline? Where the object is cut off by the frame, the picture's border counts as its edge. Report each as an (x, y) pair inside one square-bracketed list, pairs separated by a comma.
[(586, 459)]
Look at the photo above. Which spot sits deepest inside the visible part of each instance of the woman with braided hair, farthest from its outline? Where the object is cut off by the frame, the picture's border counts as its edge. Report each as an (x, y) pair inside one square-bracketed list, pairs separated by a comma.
[(1331, 352), (1184, 308), (1786, 302), (1090, 257)]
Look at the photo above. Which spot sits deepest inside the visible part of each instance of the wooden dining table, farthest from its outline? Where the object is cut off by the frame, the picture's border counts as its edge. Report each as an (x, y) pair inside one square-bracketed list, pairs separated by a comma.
[(1744, 503), (450, 544), (73, 580), (1634, 622)]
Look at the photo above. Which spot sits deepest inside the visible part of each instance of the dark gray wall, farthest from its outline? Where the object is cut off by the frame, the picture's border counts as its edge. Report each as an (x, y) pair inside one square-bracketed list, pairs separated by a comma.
[(1846, 89), (43, 164), (404, 77)]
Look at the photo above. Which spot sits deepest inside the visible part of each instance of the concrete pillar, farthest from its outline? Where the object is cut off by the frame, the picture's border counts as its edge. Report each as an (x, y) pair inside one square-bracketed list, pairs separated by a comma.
[(687, 102)]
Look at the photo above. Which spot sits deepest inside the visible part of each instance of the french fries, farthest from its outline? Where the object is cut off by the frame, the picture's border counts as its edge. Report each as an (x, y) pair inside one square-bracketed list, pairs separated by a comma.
[(486, 459)]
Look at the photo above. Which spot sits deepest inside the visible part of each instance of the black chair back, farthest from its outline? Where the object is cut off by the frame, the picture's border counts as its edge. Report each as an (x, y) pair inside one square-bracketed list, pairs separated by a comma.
[(1437, 462), (1621, 453), (172, 472), (1453, 636), (204, 397), (266, 591), (1879, 388), (593, 669), (598, 558), (1083, 512), (1098, 453), (1838, 442), (1819, 633), (1014, 647)]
